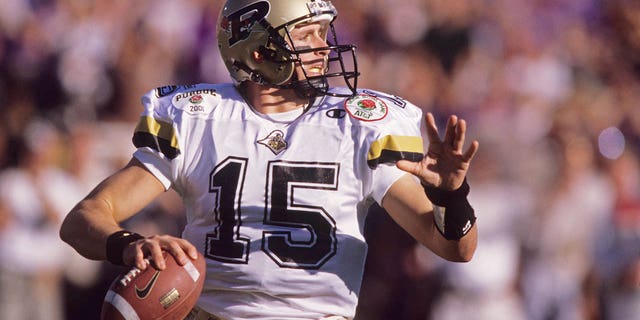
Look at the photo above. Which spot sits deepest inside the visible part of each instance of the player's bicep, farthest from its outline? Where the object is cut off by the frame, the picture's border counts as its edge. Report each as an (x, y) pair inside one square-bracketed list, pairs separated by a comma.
[(127, 191)]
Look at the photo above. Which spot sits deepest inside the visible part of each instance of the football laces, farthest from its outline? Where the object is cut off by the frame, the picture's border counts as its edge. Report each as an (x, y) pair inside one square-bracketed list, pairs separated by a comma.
[(132, 274)]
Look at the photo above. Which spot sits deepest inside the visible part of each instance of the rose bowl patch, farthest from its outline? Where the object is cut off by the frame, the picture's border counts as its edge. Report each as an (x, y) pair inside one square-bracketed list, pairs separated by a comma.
[(366, 107)]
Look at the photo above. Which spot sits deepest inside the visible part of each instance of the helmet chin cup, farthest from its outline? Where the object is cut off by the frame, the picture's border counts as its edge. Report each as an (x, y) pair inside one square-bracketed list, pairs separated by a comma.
[(310, 87)]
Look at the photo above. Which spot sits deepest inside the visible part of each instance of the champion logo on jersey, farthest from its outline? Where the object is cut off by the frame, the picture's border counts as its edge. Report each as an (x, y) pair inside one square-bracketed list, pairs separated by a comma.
[(336, 113), (366, 107), (275, 142)]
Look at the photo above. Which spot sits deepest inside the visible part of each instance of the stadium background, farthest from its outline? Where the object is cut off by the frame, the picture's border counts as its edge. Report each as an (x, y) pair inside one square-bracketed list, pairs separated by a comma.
[(550, 88)]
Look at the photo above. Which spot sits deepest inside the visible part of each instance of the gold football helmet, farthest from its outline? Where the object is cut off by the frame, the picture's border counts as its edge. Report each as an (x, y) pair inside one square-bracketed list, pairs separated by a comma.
[(262, 26)]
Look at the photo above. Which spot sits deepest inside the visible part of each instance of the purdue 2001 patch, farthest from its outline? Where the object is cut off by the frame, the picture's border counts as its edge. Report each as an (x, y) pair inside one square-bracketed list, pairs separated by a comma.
[(366, 107), (196, 101)]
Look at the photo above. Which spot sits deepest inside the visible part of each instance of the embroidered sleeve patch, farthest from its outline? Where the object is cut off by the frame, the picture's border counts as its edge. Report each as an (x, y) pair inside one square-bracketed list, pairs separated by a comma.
[(196, 102), (366, 107)]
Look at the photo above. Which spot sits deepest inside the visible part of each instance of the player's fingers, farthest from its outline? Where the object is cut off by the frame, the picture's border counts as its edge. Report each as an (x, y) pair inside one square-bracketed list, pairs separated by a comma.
[(155, 255), (177, 250), (458, 140), (450, 131), (471, 152), (133, 255), (190, 249), (432, 129), (408, 166)]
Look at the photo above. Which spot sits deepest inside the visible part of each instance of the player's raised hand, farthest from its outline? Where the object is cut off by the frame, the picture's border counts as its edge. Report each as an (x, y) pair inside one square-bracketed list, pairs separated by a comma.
[(445, 165)]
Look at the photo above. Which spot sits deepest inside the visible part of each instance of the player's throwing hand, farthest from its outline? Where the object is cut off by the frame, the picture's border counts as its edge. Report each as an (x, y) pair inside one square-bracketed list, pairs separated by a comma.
[(445, 165)]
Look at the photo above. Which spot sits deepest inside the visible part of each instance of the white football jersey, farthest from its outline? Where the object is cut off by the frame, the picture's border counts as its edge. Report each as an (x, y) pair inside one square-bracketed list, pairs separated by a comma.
[(277, 207)]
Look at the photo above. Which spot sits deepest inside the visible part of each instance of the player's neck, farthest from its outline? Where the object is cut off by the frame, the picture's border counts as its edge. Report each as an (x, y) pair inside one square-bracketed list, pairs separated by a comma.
[(271, 100)]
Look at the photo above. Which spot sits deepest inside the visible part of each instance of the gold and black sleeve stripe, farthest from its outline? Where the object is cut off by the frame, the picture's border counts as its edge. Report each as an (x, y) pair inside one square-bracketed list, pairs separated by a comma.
[(157, 135), (390, 149)]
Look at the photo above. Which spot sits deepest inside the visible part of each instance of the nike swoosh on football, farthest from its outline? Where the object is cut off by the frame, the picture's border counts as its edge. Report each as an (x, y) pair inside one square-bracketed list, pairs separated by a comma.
[(144, 292)]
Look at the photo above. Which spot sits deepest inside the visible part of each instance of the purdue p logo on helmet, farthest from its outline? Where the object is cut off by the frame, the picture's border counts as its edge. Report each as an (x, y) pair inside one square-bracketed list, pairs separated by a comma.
[(248, 26)]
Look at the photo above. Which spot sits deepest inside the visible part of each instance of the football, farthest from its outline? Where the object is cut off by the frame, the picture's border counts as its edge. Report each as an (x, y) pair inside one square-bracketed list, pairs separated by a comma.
[(152, 294)]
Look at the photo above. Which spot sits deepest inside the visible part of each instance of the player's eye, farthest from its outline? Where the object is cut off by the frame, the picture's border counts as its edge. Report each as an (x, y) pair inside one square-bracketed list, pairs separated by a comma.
[(303, 37)]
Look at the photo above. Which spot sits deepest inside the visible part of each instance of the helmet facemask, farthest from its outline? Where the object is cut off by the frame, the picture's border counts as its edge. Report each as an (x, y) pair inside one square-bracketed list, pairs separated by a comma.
[(318, 85)]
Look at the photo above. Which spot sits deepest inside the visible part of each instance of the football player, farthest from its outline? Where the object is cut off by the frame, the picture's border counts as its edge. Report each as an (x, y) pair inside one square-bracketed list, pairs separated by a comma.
[(277, 170)]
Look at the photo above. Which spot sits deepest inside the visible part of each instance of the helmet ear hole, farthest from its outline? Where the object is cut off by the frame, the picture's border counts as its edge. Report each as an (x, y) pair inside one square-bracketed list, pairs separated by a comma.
[(267, 53), (258, 57), (281, 72)]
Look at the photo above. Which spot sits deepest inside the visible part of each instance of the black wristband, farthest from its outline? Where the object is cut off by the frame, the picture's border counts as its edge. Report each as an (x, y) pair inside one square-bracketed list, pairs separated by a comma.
[(445, 198), (453, 214), (116, 242)]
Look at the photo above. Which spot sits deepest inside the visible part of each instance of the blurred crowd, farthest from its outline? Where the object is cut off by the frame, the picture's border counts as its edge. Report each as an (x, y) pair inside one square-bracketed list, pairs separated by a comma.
[(550, 88)]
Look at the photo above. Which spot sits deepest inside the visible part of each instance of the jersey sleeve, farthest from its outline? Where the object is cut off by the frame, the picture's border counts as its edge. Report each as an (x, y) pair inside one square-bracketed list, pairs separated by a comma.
[(395, 137), (156, 136)]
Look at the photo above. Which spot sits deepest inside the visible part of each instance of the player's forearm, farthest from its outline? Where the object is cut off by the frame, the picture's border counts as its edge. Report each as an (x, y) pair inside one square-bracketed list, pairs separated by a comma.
[(87, 227), (409, 206), (424, 231), (455, 250)]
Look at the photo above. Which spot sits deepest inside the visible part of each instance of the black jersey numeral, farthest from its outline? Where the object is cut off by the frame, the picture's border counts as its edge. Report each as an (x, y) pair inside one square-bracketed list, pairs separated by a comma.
[(315, 242), (225, 183)]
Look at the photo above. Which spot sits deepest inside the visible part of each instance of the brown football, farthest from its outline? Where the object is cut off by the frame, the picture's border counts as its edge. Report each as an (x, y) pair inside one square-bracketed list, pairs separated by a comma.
[(152, 294)]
